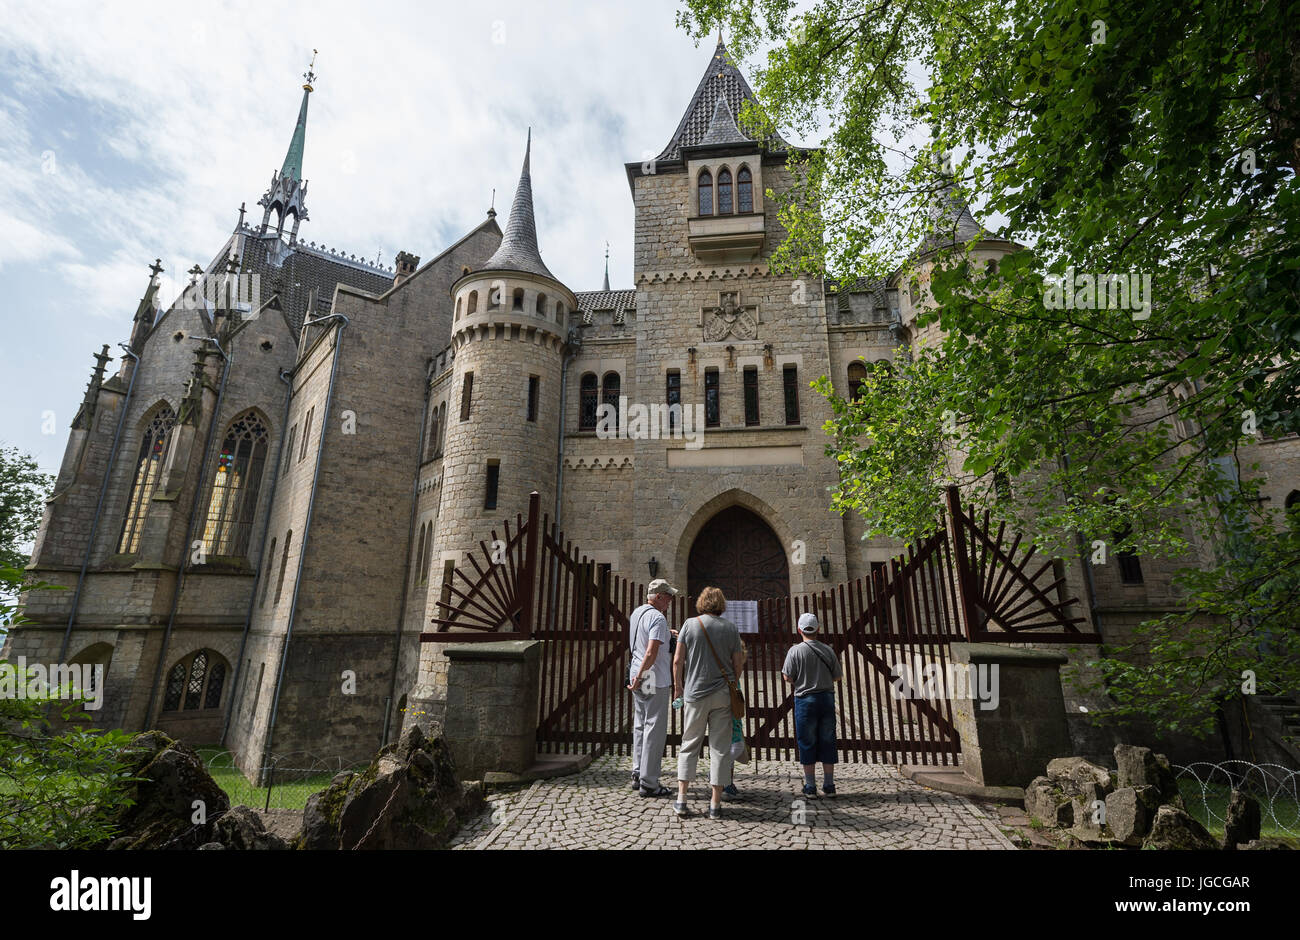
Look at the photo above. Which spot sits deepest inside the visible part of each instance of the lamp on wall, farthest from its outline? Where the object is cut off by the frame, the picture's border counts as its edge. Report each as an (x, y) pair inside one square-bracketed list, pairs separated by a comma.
[(654, 567), (825, 565)]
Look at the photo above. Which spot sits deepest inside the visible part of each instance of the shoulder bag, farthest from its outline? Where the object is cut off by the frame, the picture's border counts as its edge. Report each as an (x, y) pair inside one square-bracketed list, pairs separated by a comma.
[(737, 697)]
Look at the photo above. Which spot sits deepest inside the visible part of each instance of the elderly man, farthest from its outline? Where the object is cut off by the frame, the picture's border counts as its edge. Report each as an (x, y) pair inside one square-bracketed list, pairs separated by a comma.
[(650, 681), (812, 668)]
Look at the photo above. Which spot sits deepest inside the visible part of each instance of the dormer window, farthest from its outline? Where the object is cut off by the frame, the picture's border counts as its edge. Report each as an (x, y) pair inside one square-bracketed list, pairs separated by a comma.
[(706, 193), (724, 192), (744, 190)]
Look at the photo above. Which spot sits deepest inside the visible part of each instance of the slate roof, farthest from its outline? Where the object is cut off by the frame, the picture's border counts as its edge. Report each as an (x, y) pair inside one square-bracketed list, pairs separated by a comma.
[(721, 80), (953, 221), (518, 249), (722, 127), (619, 301)]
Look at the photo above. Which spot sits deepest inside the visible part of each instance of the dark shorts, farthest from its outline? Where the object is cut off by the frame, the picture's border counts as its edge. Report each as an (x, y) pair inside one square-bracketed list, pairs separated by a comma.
[(814, 727)]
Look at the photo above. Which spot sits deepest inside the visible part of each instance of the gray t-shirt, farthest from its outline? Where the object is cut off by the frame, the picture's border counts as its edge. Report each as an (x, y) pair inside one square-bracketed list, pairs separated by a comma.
[(809, 666), (646, 624), (702, 677)]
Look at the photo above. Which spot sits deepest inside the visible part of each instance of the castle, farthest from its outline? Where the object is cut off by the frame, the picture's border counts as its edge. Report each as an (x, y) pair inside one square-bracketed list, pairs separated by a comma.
[(258, 511)]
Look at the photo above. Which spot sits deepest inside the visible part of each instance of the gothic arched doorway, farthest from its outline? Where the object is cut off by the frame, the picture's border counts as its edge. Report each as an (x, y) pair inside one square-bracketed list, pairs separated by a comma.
[(738, 552)]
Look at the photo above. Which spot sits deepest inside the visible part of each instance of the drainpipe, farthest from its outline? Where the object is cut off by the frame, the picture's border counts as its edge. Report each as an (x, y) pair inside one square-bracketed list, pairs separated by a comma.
[(189, 528), (306, 526), (410, 538), (286, 377), (99, 505)]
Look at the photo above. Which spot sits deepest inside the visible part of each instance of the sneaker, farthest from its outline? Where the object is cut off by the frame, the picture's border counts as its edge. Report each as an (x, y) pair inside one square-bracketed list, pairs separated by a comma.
[(661, 791), (829, 790), (636, 780), (681, 809), (715, 812), (810, 789), (730, 790)]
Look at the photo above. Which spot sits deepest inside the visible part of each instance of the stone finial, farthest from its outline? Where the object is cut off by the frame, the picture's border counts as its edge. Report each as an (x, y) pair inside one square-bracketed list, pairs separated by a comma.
[(81, 422)]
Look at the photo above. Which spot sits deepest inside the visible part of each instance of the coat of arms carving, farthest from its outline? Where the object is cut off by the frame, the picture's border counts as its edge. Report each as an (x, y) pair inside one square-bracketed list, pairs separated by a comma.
[(730, 319)]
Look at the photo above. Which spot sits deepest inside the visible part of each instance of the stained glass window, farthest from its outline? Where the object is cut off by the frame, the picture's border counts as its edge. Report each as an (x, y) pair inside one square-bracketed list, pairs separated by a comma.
[(724, 192), (744, 190), (712, 416), (610, 387), (175, 686), (198, 679), (148, 468), (706, 193), (235, 487)]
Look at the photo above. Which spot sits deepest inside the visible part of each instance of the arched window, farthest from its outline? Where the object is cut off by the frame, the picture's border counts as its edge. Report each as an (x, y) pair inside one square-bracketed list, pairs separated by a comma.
[(744, 190), (706, 193), (472, 306), (458, 300), (517, 302), (435, 430), (587, 403), (148, 468), (428, 553), (609, 389), (196, 682), (235, 488), (857, 375), (442, 424), (724, 192), (541, 305), (559, 313)]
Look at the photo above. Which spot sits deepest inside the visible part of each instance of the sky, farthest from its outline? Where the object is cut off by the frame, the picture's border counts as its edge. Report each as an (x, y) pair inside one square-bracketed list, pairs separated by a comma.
[(134, 131)]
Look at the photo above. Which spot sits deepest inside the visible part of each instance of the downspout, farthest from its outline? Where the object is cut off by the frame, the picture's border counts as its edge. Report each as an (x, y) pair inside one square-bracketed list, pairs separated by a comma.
[(189, 528), (410, 537), (306, 527), (99, 505), (286, 376)]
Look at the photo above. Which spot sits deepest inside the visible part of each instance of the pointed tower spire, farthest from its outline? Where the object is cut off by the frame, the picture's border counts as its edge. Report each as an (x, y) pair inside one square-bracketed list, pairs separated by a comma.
[(288, 191), (518, 249), (606, 287)]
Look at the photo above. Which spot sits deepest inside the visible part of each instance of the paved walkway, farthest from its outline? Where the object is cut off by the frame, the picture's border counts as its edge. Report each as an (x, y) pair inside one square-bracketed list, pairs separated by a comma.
[(876, 808)]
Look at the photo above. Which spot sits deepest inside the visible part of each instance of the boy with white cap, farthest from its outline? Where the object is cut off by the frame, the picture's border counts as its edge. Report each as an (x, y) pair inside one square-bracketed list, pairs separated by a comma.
[(812, 667)]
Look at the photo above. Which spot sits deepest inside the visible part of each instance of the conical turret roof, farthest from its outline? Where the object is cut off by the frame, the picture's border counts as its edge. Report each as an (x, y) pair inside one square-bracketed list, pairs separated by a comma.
[(518, 249), (721, 80), (293, 158)]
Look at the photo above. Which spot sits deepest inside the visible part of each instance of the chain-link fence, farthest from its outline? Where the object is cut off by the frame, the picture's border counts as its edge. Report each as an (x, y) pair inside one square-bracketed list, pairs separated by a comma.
[(284, 781), (1207, 787)]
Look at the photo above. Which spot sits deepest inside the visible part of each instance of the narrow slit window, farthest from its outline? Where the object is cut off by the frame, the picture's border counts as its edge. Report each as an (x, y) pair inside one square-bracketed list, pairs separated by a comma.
[(534, 386), (493, 481), (712, 402), (674, 396), (706, 193), (751, 396), (724, 192), (744, 190), (790, 378), (466, 391)]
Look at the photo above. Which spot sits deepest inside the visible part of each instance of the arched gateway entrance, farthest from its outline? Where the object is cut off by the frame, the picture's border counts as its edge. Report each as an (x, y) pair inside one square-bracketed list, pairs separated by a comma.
[(738, 552)]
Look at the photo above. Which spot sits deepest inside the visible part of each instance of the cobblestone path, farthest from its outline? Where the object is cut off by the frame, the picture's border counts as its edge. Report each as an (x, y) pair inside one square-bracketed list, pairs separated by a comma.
[(876, 808)]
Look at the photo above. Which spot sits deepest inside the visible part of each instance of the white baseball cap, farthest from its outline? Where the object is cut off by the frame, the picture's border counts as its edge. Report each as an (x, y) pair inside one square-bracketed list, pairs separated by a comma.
[(808, 623)]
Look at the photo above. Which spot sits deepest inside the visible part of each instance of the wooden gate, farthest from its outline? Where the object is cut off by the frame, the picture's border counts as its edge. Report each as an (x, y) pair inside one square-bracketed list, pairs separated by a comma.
[(890, 629)]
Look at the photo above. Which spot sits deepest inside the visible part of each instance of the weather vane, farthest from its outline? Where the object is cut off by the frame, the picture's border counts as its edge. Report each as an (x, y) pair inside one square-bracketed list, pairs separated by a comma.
[(310, 74)]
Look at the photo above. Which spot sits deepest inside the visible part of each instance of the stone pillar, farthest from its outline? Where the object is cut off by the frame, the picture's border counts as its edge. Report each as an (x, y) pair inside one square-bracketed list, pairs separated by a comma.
[(1009, 745), (491, 718)]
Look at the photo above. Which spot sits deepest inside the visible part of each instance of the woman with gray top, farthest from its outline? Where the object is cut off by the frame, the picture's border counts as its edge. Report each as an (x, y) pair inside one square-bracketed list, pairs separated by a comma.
[(708, 661)]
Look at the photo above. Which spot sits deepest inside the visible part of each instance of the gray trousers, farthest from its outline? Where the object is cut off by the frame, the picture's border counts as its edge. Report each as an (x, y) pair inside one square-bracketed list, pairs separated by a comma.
[(649, 732), (712, 714)]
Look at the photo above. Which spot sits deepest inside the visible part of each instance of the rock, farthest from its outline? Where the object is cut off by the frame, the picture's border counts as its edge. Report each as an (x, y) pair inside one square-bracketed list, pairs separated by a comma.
[(1129, 812), (1140, 767), (1173, 828), (163, 803), (241, 828), (1081, 777), (1048, 804), (408, 798), (211, 847), (1268, 843), (1241, 821)]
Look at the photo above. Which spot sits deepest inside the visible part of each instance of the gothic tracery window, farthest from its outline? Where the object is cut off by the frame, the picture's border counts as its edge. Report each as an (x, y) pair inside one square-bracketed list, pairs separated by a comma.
[(233, 502), (609, 392), (587, 403), (148, 468), (724, 192), (706, 193), (744, 190), (196, 682)]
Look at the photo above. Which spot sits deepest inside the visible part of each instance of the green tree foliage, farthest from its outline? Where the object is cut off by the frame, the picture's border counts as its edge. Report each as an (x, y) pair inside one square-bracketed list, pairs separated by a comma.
[(23, 491), (1159, 139)]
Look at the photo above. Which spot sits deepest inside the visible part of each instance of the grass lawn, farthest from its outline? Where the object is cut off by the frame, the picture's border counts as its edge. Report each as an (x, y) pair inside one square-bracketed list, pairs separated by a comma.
[(290, 794), (1286, 810)]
